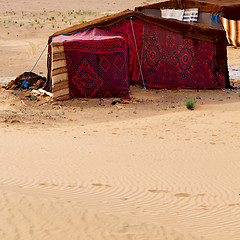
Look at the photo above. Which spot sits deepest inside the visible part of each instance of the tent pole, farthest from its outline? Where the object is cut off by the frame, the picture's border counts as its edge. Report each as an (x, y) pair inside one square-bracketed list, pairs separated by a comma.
[(180, 3), (135, 43), (227, 81)]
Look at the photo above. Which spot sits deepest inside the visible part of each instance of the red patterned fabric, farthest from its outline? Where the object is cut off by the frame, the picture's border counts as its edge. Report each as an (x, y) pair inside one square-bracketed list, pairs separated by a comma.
[(124, 27), (97, 65), (171, 61), (101, 62)]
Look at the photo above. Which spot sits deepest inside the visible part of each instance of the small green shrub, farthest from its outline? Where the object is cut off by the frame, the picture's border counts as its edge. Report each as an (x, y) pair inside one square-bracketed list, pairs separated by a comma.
[(82, 20), (190, 104), (89, 12)]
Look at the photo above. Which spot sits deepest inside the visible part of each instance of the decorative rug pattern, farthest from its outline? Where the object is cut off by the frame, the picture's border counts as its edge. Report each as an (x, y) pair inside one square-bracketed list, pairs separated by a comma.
[(124, 27), (97, 68), (171, 61)]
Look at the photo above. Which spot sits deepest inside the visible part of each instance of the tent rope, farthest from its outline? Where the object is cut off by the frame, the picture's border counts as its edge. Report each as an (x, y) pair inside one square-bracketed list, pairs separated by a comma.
[(25, 82), (135, 43)]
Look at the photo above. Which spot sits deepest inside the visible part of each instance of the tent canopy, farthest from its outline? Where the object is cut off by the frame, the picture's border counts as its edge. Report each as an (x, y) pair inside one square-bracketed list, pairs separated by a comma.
[(195, 31), (95, 34), (229, 8)]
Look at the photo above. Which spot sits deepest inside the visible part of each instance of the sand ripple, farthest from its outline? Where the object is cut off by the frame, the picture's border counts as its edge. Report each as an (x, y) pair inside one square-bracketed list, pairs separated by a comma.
[(160, 181)]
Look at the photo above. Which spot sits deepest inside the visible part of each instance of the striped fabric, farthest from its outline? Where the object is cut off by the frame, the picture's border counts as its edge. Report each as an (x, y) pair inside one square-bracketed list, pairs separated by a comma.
[(60, 87), (232, 28), (172, 13), (190, 15)]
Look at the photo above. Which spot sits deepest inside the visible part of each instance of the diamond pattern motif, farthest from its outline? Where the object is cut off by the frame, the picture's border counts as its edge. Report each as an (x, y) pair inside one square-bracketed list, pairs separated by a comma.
[(104, 64), (119, 63)]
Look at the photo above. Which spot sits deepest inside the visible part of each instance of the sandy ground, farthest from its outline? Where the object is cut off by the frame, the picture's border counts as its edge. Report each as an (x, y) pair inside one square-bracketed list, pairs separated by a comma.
[(146, 169)]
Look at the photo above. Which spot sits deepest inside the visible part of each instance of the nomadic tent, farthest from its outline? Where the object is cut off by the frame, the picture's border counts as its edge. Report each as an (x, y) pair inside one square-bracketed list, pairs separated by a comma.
[(221, 14), (93, 63), (99, 58)]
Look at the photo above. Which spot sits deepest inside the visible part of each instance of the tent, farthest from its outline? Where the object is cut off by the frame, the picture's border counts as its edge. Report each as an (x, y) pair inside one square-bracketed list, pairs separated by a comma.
[(217, 13), (92, 63), (147, 50)]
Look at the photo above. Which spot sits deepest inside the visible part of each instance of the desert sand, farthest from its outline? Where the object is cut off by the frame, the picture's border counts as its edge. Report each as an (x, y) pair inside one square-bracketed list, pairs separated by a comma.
[(146, 169)]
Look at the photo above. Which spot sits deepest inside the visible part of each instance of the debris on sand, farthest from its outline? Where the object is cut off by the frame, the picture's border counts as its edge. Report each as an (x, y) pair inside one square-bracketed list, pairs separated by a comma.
[(34, 81)]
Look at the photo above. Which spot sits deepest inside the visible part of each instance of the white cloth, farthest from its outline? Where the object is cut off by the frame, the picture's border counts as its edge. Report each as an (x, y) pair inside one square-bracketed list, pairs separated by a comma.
[(190, 15), (172, 13)]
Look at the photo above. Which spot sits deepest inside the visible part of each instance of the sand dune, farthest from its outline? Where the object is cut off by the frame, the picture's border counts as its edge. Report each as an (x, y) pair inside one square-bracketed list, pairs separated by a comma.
[(47, 219), (177, 171)]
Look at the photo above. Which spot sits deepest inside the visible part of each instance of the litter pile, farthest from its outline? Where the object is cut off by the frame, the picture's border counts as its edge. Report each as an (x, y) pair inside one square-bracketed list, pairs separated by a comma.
[(234, 75), (234, 72), (34, 81)]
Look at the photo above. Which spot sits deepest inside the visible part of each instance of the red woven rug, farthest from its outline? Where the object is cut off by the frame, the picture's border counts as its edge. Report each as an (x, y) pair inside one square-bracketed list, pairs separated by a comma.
[(171, 61), (97, 65)]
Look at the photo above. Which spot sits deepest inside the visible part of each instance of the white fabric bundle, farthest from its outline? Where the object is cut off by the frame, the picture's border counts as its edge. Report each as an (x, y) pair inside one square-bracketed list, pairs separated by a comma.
[(172, 13), (190, 15)]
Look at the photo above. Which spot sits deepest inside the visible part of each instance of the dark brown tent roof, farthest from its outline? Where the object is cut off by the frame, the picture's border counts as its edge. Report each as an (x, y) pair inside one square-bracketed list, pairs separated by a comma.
[(194, 31), (229, 8)]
